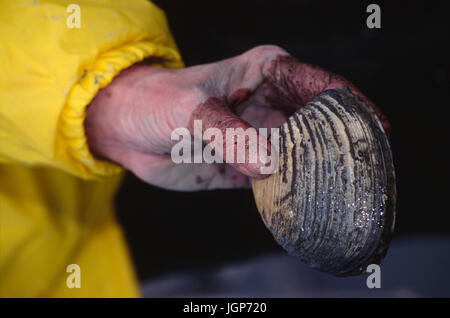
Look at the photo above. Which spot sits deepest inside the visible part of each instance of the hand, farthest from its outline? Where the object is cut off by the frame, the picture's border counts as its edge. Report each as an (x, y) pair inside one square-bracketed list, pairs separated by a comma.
[(131, 120)]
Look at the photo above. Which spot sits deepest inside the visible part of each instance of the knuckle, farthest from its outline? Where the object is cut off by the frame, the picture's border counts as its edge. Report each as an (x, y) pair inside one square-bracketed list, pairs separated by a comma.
[(266, 50)]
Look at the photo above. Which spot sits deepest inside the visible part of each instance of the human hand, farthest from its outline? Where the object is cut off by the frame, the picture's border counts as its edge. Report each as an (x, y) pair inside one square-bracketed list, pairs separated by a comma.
[(130, 121)]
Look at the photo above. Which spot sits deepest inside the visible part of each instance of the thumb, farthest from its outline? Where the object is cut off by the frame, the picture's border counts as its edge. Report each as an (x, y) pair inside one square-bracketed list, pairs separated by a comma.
[(238, 143)]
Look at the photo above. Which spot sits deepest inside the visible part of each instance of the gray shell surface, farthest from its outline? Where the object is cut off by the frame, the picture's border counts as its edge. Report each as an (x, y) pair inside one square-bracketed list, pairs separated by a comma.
[(332, 200)]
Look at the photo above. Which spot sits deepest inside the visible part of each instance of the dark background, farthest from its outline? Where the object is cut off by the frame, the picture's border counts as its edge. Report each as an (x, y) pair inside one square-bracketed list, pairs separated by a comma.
[(403, 67)]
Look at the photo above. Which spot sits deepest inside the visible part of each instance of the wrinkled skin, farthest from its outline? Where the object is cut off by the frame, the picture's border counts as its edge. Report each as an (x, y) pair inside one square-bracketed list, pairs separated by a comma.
[(130, 121)]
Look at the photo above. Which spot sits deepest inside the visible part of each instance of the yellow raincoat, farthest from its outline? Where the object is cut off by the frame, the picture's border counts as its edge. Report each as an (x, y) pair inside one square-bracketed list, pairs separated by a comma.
[(56, 200)]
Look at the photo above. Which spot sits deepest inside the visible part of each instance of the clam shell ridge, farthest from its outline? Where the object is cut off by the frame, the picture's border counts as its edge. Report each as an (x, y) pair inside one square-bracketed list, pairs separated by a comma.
[(332, 200)]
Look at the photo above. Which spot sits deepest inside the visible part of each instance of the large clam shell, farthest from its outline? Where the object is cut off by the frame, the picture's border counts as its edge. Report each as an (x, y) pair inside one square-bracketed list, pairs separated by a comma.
[(332, 200)]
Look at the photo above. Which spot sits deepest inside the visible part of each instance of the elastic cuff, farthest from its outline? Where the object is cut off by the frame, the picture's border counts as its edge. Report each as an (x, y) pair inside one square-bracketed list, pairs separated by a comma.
[(75, 151)]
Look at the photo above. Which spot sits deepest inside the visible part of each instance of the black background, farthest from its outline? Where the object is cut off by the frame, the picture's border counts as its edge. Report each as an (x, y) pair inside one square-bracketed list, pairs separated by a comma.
[(403, 67)]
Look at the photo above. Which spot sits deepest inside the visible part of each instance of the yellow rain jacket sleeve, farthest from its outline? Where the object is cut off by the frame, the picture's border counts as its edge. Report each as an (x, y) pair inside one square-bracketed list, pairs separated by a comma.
[(56, 200)]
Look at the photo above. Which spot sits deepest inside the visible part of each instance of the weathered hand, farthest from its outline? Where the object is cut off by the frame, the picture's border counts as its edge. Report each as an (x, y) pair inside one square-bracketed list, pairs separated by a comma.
[(130, 121)]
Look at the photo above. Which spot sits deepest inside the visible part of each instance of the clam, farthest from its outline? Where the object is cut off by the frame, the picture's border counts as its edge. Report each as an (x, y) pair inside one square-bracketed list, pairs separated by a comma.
[(332, 200)]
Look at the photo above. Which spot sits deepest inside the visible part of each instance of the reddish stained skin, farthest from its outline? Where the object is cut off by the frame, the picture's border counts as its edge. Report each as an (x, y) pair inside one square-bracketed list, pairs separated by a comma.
[(222, 169), (295, 84), (238, 97)]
